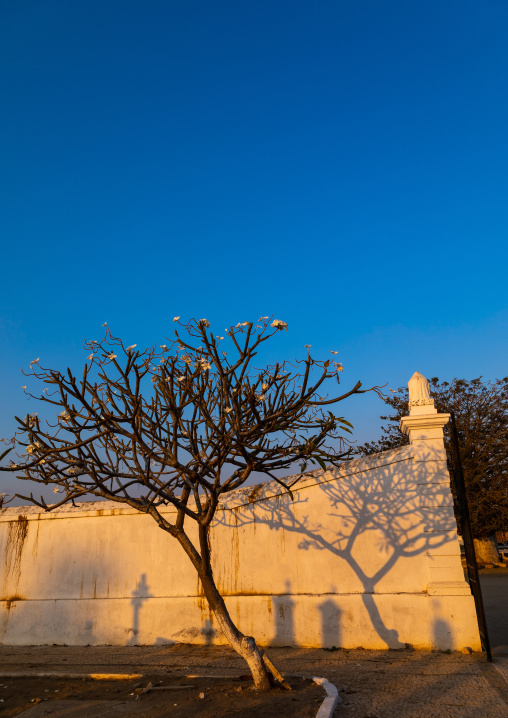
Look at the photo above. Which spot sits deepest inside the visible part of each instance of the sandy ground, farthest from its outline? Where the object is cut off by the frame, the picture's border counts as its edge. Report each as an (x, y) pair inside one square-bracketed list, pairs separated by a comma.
[(374, 684), (155, 696)]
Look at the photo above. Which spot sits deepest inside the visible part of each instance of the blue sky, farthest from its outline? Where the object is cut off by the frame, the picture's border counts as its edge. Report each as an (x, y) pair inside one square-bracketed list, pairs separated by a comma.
[(342, 166)]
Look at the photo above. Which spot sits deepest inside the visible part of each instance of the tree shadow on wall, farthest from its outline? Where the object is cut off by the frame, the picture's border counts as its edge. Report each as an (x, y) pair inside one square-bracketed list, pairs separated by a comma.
[(384, 501)]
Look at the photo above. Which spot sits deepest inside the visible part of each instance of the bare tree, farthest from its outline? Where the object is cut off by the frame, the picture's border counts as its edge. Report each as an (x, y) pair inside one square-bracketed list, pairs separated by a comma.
[(182, 424)]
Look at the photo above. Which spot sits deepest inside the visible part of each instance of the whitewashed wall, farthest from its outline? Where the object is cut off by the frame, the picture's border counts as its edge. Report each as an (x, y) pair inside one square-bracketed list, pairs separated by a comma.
[(366, 555)]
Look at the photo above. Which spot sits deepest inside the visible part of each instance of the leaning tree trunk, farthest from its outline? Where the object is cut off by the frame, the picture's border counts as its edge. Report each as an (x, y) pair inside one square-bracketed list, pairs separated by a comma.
[(245, 646), (486, 549)]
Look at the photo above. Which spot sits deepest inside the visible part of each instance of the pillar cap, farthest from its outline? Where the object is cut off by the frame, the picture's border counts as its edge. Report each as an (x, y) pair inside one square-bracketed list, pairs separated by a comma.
[(423, 421)]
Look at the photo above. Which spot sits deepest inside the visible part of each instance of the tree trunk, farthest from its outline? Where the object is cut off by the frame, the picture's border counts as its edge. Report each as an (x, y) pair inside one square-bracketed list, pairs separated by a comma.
[(486, 549), (245, 646)]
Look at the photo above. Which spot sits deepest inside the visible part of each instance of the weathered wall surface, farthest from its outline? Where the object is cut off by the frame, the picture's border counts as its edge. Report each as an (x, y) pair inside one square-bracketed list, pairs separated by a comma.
[(366, 555)]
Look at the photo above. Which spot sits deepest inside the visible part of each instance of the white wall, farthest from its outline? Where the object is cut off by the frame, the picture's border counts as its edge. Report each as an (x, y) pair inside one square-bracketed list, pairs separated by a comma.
[(366, 555)]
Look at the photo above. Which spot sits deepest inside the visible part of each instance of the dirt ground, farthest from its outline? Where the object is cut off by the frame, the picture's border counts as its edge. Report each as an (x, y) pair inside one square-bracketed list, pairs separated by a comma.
[(191, 697), (372, 684)]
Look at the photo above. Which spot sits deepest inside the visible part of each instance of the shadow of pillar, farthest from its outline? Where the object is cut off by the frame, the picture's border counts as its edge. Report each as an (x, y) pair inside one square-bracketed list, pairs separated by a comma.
[(208, 632), (330, 623), (140, 595), (283, 611)]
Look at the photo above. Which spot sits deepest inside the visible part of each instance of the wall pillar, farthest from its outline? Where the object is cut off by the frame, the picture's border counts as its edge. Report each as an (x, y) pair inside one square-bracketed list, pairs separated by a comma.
[(424, 427)]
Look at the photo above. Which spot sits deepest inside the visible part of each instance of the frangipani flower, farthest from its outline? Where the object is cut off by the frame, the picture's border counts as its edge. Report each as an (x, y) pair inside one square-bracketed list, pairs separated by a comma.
[(332, 352), (162, 346), (111, 356), (227, 409), (260, 318), (279, 324), (132, 346), (90, 357), (35, 361), (204, 322), (23, 387), (308, 346), (202, 364), (175, 319), (105, 324), (181, 378), (56, 490)]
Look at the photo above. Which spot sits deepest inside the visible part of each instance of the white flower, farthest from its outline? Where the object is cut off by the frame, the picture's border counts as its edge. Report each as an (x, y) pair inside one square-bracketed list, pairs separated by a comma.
[(204, 322), (393, 391), (163, 361), (332, 352), (175, 319), (30, 449), (260, 397), (90, 357), (181, 378), (308, 346), (187, 359), (265, 386), (132, 346), (227, 409), (55, 491), (35, 361), (278, 324), (23, 387), (93, 342), (202, 364), (340, 367), (111, 356), (219, 338), (13, 465), (260, 318), (162, 346), (42, 461)]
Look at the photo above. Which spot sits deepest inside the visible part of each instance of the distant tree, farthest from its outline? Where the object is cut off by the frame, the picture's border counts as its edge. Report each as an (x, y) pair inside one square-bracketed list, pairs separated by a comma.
[(182, 425), (481, 412)]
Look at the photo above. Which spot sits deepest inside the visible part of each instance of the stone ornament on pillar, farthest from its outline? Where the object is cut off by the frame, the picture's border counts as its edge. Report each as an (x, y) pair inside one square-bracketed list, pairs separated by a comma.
[(423, 422), (419, 392)]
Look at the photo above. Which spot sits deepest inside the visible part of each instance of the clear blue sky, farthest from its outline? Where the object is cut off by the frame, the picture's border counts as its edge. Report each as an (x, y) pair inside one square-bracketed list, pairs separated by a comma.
[(340, 165)]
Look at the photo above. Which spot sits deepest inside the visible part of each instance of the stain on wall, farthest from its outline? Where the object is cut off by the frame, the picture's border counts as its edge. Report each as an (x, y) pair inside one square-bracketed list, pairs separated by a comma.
[(16, 537)]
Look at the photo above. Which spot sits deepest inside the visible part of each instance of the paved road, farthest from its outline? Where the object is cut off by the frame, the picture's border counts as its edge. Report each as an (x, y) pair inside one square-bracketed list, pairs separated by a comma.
[(494, 583)]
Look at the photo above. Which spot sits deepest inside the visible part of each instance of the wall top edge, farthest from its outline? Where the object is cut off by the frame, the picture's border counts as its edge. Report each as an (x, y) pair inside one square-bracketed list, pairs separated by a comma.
[(234, 500)]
